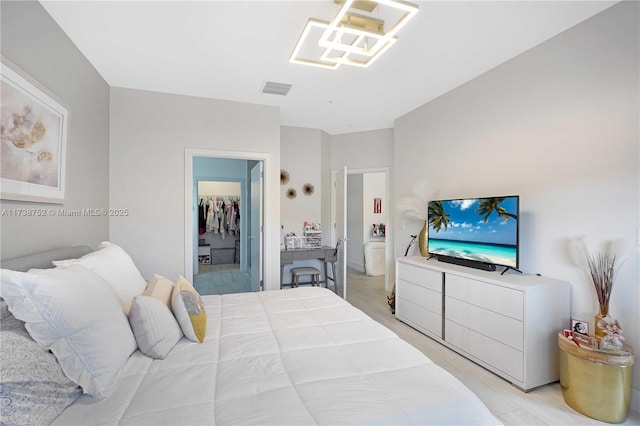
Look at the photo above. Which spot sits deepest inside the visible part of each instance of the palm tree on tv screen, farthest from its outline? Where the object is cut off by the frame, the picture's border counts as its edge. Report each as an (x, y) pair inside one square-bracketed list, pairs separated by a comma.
[(486, 206), (438, 217)]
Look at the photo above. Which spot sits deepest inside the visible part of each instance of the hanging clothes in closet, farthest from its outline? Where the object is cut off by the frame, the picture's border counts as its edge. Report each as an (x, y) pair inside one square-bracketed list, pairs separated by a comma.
[(221, 214), (202, 217)]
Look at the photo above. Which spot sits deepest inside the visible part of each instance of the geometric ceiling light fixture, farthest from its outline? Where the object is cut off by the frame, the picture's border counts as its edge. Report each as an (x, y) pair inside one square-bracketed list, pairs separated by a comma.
[(352, 38)]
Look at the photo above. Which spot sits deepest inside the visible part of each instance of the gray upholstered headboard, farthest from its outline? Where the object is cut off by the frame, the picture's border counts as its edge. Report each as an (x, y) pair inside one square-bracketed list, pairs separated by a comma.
[(43, 260)]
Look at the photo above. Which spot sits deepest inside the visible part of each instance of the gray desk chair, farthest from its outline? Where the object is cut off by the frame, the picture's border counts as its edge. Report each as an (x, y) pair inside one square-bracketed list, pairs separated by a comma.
[(332, 260), (296, 273)]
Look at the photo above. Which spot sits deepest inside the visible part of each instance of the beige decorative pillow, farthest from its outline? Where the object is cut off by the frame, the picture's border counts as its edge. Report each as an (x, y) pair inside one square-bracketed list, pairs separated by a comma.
[(161, 288), (154, 326), (188, 309)]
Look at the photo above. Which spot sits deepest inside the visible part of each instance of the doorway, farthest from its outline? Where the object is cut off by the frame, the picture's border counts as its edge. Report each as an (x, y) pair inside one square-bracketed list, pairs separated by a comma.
[(365, 230), (221, 268), (367, 219), (224, 218)]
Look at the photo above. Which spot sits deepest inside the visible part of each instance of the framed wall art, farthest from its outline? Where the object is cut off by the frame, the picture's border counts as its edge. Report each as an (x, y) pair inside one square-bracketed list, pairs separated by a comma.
[(377, 205), (33, 139)]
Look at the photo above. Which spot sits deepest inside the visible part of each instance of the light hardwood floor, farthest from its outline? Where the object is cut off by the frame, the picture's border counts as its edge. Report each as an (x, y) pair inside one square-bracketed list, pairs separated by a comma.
[(542, 406)]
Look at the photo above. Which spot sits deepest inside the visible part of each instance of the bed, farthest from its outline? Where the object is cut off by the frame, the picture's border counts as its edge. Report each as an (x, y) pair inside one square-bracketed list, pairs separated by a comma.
[(297, 356)]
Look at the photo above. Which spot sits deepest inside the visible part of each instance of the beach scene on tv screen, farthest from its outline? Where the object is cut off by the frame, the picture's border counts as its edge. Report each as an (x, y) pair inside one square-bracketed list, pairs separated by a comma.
[(481, 229)]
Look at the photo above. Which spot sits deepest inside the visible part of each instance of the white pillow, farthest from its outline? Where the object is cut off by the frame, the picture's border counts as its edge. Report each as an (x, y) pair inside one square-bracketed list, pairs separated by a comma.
[(35, 390), (154, 326), (77, 315), (115, 266)]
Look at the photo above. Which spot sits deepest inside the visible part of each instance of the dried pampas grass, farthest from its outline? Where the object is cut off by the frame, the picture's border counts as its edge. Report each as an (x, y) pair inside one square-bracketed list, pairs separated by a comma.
[(601, 266), (417, 206)]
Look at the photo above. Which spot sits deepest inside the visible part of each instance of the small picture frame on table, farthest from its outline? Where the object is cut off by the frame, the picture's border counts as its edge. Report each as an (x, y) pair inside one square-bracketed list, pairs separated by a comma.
[(579, 327)]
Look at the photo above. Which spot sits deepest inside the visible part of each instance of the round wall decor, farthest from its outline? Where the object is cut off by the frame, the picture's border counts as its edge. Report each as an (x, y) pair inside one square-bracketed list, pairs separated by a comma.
[(284, 177), (307, 189)]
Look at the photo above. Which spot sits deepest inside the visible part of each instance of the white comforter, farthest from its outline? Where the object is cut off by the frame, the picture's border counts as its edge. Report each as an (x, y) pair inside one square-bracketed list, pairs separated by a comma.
[(300, 356)]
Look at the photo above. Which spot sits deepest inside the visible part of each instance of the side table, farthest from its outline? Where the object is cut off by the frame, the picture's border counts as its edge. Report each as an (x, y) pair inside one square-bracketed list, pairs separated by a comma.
[(596, 382)]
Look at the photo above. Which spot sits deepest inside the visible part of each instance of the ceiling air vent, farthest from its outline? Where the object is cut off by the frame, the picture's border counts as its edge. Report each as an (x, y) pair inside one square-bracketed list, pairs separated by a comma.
[(276, 88)]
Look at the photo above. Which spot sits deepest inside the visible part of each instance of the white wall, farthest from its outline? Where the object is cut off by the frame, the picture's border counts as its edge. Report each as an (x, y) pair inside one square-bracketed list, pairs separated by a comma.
[(362, 150), (301, 157), (149, 134), (35, 43), (557, 125)]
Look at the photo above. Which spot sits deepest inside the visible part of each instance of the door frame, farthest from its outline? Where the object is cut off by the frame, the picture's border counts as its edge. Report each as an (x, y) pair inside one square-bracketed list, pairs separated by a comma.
[(256, 227), (390, 216), (189, 225)]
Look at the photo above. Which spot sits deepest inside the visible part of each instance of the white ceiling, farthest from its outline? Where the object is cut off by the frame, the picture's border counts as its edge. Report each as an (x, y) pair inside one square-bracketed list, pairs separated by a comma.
[(229, 49)]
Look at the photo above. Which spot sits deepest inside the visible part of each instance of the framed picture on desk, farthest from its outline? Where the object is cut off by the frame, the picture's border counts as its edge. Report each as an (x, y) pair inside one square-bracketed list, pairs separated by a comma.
[(580, 327)]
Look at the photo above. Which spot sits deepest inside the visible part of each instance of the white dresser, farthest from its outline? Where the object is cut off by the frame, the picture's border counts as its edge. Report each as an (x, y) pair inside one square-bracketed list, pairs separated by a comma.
[(506, 323)]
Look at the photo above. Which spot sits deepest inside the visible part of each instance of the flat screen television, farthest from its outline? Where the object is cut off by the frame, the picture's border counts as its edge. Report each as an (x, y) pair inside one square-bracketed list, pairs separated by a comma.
[(477, 232)]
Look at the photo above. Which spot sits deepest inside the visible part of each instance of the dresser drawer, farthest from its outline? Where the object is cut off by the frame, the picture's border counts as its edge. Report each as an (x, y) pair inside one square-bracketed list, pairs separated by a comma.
[(491, 324), (420, 276), (489, 351), (493, 297), (286, 256), (307, 254), (421, 296), (418, 316)]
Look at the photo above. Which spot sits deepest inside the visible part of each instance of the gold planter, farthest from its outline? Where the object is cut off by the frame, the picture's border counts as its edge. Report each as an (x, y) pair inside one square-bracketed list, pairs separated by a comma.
[(596, 383), (602, 314), (423, 238)]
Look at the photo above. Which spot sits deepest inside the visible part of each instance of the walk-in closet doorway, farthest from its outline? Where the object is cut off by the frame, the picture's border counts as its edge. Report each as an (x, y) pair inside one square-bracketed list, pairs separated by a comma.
[(224, 242), (222, 266)]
